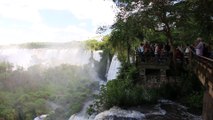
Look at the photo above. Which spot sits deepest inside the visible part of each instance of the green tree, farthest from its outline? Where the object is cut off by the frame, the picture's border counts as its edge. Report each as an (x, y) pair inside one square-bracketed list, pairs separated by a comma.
[(156, 16), (175, 21), (201, 12), (92, 45), (5, 71), (124, 36)]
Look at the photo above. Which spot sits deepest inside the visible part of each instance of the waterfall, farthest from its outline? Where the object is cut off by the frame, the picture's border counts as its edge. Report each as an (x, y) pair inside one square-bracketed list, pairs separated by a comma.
[(48, 57), (51, 57), (82, 115), (114, 68)]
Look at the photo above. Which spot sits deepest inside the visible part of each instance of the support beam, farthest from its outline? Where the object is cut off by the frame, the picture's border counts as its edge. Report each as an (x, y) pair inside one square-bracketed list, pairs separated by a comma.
[(207, 106)]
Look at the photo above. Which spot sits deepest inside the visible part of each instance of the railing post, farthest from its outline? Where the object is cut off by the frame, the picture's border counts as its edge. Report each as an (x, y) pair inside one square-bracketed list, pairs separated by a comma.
[(190, 61)]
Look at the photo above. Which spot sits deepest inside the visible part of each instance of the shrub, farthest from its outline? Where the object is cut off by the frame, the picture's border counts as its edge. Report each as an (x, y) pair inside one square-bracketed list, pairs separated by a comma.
[(122, 92)]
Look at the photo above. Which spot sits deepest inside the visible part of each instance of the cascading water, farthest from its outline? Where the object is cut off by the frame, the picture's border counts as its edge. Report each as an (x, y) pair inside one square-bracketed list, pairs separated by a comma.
[(41, 117), (114, 68), (48, 57), (82, 115), (111, 74)]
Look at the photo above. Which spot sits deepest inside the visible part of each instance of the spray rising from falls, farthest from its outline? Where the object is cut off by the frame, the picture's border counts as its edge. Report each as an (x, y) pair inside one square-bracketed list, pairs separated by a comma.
[(111, 74), (67, 78), (49, 57)]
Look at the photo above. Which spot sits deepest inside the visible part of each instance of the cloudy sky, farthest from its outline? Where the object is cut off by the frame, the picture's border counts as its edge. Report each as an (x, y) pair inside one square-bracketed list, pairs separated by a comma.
[(52, 20)]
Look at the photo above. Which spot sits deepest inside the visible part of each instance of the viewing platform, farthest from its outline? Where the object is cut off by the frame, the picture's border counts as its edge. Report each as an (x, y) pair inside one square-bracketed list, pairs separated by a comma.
[(153, 69)]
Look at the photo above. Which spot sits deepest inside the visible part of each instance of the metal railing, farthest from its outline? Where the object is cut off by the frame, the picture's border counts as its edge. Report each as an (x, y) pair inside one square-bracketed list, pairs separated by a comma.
[(152, 59), (203, 68)]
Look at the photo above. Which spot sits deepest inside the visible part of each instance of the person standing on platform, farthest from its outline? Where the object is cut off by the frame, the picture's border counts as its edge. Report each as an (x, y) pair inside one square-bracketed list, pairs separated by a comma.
[(199, 47)]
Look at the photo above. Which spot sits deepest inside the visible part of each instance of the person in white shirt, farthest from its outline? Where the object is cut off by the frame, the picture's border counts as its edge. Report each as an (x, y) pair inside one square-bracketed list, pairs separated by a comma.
[(186, 53), (141, 48), (187, 50), (199, 47)]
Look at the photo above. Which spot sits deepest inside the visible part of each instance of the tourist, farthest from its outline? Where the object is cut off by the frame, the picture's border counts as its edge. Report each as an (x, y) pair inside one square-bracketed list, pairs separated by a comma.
[(141, 51), (187, 49), (186, 53), (157, 52), (141, 48), (199, 47), (206, 50), (167, 49), (178, 55), (152, 50)]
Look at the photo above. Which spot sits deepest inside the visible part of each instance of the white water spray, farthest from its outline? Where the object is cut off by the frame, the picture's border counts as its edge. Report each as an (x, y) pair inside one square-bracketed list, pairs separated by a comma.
[(111, 74), (41, 117), (114, 68), (48, 57)]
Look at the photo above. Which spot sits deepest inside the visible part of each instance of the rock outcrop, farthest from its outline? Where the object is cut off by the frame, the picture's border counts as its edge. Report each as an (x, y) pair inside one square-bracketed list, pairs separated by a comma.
[(116, 113)]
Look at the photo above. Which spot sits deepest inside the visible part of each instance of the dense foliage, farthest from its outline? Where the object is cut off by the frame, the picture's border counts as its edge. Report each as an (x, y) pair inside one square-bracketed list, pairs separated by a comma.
[(123, 92), (59, 91), (173, 21), (119, 92), (126, 91), (191, 90)]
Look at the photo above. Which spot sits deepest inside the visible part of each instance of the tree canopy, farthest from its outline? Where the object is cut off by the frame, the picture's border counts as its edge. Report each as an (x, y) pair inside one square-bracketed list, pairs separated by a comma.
[(172, 21)]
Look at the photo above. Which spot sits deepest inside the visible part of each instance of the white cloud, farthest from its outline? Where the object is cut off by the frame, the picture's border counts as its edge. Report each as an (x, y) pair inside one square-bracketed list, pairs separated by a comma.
[(100, 12), (15, 10), (43, 33), (83, 24)]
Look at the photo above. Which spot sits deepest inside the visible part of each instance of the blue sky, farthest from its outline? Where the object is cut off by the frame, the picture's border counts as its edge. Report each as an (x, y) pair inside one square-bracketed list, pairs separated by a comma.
[(53, 20), (63, 18)]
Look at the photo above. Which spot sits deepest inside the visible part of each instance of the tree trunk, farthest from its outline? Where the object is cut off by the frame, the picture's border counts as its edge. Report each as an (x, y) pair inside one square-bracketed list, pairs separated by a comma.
[(170, 39), (128, 52)]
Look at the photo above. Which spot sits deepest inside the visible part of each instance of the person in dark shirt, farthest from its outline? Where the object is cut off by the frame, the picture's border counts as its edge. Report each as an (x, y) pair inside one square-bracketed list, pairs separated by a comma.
[(167, 47)]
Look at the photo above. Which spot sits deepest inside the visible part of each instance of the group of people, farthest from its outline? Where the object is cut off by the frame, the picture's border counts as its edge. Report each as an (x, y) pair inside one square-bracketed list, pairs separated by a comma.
[(157, 50), (199, 47), (160, 51)]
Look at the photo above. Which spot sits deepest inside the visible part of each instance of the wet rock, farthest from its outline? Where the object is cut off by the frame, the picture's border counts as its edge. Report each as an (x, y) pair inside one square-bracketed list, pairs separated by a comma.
[(116, 113)]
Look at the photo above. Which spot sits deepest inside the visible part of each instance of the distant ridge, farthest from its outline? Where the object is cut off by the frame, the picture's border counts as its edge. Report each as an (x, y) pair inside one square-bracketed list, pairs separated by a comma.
[(38, 45)]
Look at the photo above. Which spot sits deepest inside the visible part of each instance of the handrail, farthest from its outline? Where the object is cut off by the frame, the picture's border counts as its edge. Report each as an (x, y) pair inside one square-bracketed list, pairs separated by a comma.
[(207, 61), (203, 66), (203, 57), (152, 59), (206, 58)]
